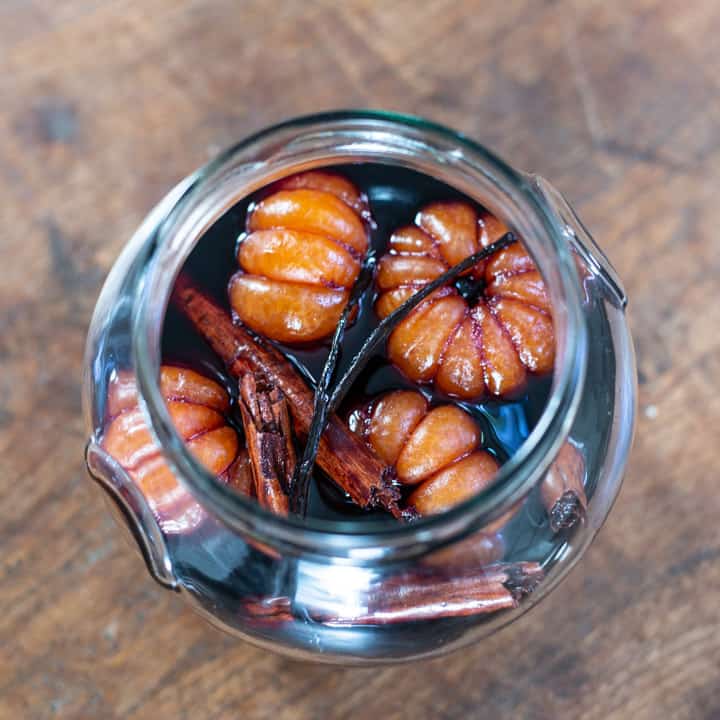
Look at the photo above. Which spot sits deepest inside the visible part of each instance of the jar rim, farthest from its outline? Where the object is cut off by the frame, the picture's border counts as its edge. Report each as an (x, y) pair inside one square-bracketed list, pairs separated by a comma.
[(187, 211)]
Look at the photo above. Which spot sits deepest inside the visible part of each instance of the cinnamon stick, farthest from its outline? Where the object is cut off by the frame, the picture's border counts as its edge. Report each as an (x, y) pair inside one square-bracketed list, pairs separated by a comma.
[(440, 600), (410, 597), (267, 431), (423, 594), (342, 455), (562, 490)]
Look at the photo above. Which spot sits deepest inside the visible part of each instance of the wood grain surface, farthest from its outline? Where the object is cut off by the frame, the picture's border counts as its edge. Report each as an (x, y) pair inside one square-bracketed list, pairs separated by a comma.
[(105, 105)]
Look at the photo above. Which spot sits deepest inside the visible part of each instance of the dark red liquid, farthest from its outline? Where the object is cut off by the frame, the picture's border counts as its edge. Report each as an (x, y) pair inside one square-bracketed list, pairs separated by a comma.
[(395, 196)]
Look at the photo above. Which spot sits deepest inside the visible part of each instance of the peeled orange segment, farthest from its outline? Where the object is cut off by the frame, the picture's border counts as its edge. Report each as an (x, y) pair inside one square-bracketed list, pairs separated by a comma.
[(453, 225), (128, 439), (155, 471), (122, 393), (455, 483), (174, 507), (461, 371), (411, 240), (527, 287), (442, 436), (178, 383), (328, 182), (215, 449), (190, 419), (393, 299), (394, 418), (490, 229), (298, 256), (314, 211), (504, 372), (287, 312), (511, 260), (531, 331), (417, 343), (395, 270)]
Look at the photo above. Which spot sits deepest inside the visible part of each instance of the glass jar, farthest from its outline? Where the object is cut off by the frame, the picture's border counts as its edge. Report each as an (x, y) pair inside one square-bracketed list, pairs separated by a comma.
[(358, 593)]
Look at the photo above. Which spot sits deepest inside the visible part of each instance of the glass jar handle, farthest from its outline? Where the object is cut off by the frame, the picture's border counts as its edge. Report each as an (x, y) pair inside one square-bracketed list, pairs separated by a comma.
[(582, 241), (136, 513)]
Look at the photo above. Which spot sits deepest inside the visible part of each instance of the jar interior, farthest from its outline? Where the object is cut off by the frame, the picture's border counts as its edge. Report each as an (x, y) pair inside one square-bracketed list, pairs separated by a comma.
[(395, 196)]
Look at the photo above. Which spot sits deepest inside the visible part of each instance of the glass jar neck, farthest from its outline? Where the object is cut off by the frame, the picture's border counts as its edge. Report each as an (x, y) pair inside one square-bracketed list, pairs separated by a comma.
[(353, 137)]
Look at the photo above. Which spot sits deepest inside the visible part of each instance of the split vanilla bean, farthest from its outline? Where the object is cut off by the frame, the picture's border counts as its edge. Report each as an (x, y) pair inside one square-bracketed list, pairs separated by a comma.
[(341, 454), (267, 431), (321, 408)]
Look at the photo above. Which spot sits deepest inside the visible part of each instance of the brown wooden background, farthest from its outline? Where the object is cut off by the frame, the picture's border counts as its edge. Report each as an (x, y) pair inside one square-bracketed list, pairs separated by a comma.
[(104, 105)]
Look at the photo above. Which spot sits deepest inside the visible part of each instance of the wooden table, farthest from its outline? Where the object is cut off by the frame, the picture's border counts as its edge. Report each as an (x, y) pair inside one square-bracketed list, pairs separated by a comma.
[(103, 106)]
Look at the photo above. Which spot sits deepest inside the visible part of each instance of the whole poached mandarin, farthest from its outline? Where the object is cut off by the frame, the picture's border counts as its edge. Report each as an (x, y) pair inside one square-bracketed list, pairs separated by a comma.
[(464, 347), (436, 451), (300, 257), (198, 408)]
